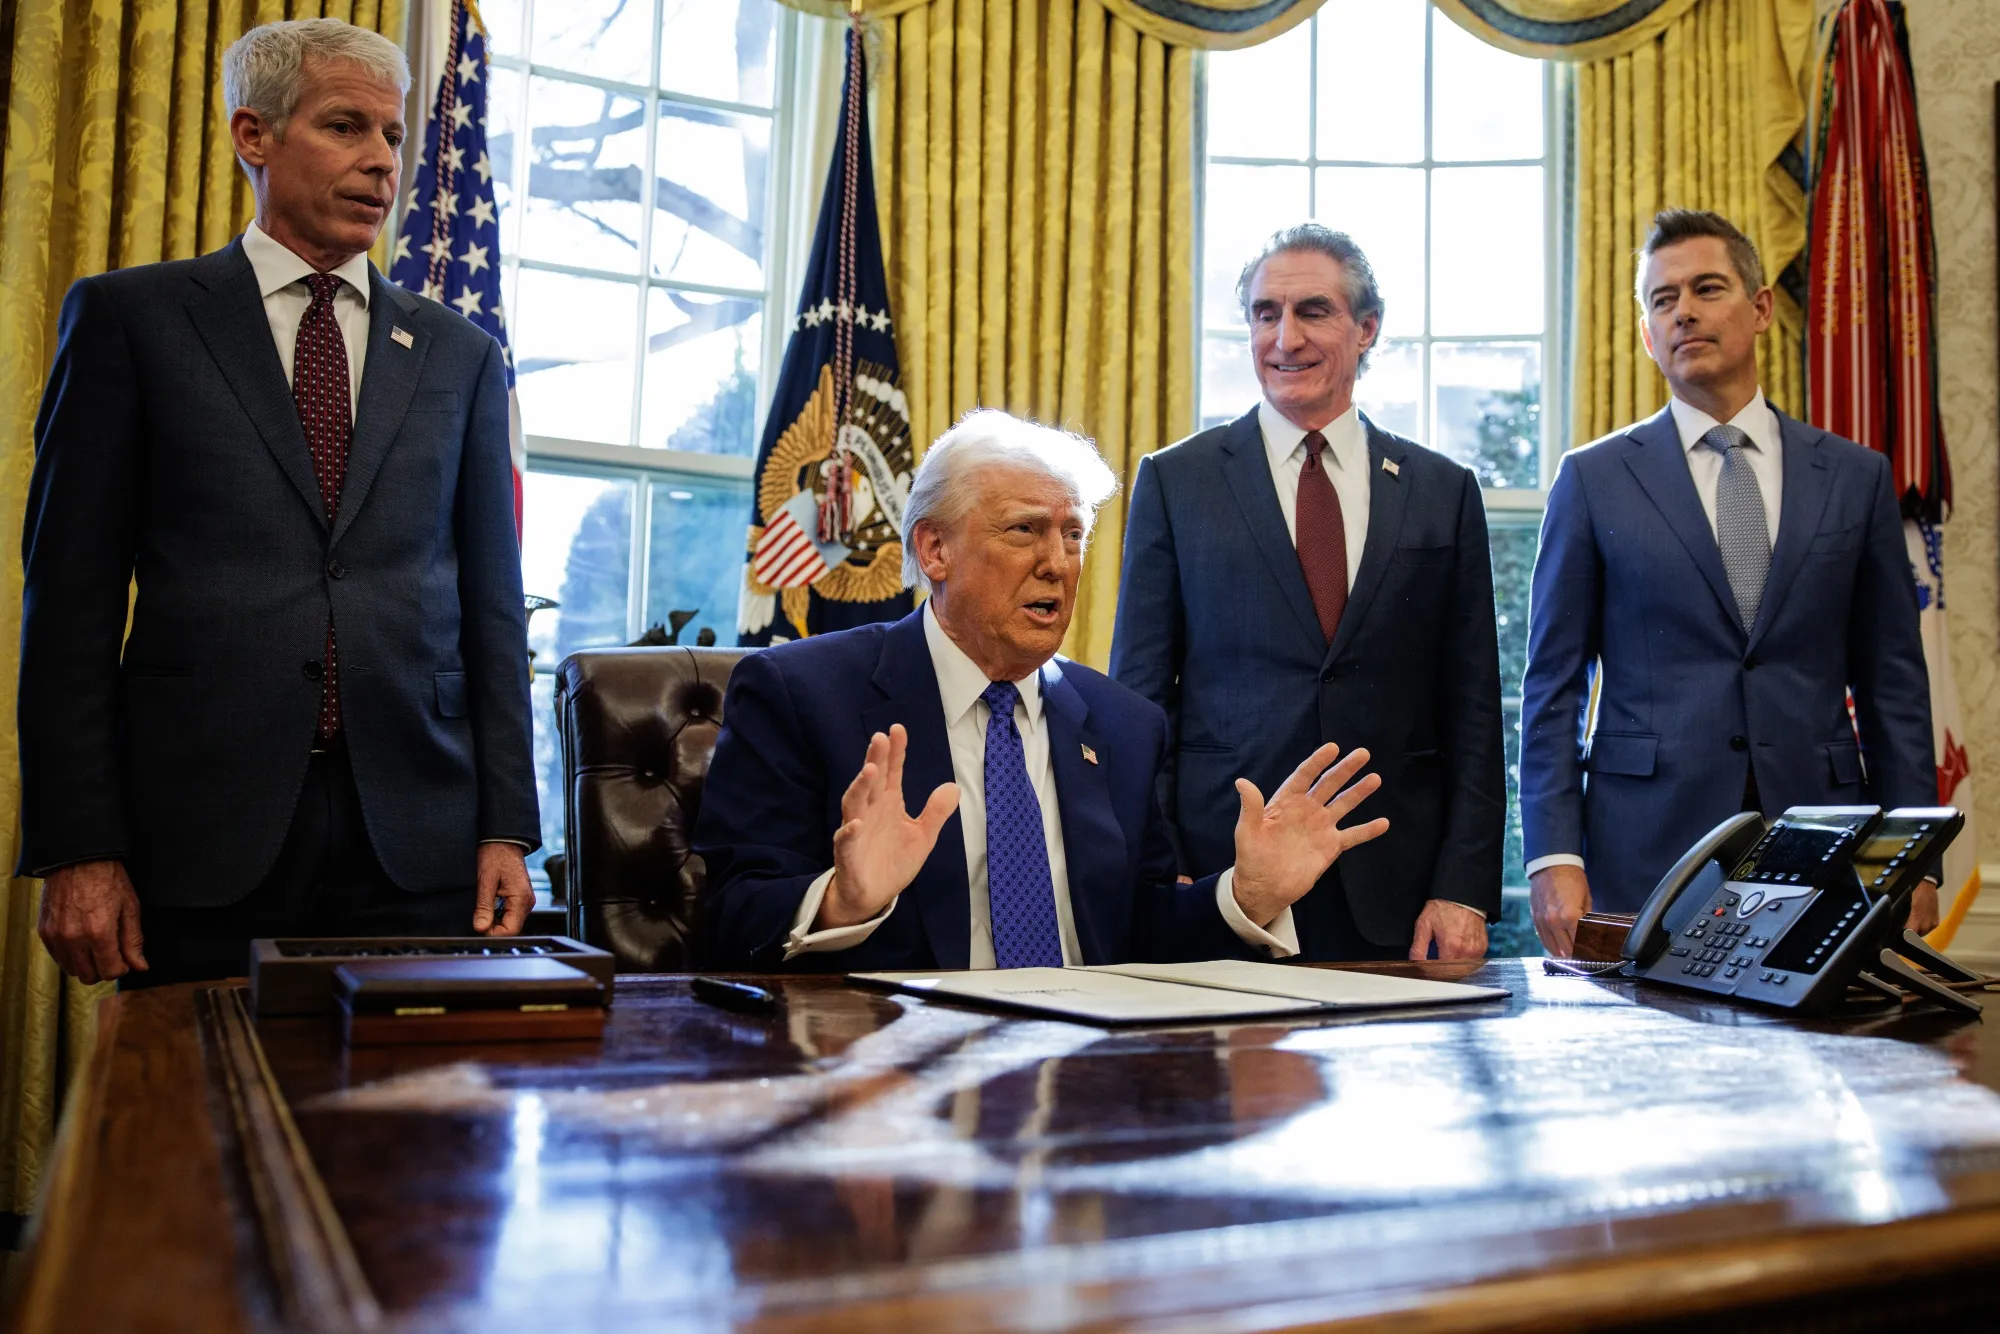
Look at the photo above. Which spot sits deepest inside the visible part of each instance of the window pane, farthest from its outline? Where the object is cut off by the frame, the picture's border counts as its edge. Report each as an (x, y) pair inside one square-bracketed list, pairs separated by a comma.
[(1513, 865), (1486, 250), (1257, 98), (584, 177), (1382, 208), (708, 220), (576, 546), (1245, 205), (573, 356), (1391, 390), (503, 132), (1371, 80), (608, 39), (724, 49), (1513, 539), (1228, 380), (503, 26), (1488, 409), (1487, 102), (700, 526), (701, 373)]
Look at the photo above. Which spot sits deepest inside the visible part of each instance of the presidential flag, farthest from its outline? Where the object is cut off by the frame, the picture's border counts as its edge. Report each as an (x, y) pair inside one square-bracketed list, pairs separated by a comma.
[(449, 248), (833, 469)]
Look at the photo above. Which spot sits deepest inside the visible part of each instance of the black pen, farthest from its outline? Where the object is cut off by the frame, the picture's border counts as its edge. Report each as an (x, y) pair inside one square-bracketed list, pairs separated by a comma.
[(733, 995)]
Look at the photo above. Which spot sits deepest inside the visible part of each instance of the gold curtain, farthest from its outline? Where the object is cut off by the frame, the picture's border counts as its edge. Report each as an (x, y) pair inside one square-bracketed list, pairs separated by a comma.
[(1036, 163), (1202, 25), (117, 153), (1706, 112)]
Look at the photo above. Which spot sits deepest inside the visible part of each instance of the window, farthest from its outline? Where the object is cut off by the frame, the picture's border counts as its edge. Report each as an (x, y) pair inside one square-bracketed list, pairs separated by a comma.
[(633, 144), (1383, 119)]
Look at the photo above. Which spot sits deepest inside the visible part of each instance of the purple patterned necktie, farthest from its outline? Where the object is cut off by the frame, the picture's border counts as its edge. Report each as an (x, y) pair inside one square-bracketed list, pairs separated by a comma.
[(1021, 896), (325, 399)]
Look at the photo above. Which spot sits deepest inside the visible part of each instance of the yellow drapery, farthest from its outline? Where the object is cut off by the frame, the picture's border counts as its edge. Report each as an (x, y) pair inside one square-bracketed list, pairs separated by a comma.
[(1707, 114), (1035, 164), (1202, 25), (117, 153)]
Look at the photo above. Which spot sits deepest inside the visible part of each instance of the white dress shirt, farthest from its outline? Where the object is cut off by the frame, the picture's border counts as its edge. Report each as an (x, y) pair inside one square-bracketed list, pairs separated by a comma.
[(1765, 452), (961, 682), (1346, 460), (281, 279)]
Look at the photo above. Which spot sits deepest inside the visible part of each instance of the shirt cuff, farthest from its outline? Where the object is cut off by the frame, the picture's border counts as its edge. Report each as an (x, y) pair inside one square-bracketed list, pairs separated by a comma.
[(510, 842), (1279, 937), (1556, 859), (805, 940)]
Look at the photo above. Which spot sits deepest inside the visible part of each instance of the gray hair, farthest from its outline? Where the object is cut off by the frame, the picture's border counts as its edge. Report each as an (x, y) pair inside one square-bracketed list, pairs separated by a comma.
[(1364, 298), (264, 69), (987, 438)]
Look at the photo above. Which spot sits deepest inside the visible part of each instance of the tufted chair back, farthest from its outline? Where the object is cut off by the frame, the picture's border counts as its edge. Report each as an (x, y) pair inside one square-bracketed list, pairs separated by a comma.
[(638, 728)]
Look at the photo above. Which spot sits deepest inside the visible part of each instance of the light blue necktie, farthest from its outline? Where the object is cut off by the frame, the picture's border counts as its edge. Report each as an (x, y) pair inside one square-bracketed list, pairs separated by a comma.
[(1740, 527), (1021, 896)]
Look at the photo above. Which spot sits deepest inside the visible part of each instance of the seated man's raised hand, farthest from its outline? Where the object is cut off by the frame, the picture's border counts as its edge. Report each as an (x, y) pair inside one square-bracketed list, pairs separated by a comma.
[(878, 849), (1285, 845)]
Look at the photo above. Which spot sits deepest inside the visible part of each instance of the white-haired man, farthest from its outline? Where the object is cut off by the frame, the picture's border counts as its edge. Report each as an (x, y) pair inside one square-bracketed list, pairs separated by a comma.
[(953, 759), (278, 445)]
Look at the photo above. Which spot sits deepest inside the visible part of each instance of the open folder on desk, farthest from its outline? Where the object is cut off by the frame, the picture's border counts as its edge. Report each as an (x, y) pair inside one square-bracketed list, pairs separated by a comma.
[(1160, 993)]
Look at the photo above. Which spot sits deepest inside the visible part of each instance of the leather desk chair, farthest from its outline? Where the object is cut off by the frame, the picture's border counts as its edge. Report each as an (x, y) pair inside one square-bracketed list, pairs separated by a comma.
[(638, 728)]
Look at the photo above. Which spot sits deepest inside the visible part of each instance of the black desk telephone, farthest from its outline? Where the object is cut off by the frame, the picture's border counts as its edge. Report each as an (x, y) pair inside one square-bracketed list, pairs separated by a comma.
[(1795, 914)]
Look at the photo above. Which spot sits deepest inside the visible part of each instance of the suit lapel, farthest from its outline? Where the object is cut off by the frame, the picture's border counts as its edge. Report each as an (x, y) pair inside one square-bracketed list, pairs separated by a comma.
[(1248, 470), (1093, 840), (1388, 499), (908, 682), (1660, 464), (230, 318), (388, 378), (1808, 485)]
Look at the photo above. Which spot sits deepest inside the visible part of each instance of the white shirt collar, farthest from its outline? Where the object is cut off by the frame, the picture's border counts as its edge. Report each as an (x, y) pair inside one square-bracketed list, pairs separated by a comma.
[(1346, 441), (961, 681), (1756, 421), (277, 267)]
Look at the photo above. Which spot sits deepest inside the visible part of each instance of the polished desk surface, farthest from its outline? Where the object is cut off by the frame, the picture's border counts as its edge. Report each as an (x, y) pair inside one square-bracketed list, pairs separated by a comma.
[(1572, 1157)]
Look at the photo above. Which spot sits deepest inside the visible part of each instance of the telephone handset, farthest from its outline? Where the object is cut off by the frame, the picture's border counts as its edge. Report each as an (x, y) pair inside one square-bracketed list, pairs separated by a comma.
[(1793, 914)]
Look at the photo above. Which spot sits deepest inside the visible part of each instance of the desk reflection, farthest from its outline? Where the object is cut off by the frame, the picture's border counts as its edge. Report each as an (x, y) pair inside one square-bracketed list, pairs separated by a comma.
[(853, 1133)]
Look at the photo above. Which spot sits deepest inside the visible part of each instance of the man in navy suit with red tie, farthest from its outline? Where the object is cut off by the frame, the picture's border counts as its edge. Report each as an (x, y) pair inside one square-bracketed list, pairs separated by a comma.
[(318, 722), (946, 792)]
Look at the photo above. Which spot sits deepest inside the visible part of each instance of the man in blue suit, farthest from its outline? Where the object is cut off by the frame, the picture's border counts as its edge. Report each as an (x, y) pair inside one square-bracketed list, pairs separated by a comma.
[(1301, 573), (1036, 839), (317, 723), (1723, 575)]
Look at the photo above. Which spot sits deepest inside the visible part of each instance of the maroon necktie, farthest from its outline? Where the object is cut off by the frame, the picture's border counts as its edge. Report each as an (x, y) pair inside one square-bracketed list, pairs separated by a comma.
[(1322, 539), (320, 388)]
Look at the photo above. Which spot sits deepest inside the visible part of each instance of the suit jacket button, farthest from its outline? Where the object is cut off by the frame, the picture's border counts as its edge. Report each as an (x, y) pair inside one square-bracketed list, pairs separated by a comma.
[(314, 669), (1749, 664), (1329, 674), (335, 570), (1739, 743)]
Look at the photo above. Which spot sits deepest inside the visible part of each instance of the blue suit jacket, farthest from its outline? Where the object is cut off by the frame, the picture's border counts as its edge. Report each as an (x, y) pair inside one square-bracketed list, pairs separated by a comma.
[(1629, 576), (796, 724), (169, 451), (1216, 626)]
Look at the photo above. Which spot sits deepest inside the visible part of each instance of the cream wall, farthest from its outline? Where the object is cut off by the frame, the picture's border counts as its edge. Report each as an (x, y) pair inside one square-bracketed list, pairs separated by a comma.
[(1955, 49)]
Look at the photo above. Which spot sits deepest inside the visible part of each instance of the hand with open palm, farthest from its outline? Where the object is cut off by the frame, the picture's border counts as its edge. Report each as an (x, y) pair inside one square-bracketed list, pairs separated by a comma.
[(879, 848), (1285, 845)]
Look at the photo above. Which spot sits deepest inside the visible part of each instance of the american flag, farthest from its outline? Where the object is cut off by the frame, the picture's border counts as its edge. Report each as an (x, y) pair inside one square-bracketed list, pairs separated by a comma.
[(449, 248)]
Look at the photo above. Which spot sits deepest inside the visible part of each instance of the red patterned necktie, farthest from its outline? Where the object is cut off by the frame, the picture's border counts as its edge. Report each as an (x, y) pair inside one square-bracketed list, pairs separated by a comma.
[(321, 389), (1322, 537)]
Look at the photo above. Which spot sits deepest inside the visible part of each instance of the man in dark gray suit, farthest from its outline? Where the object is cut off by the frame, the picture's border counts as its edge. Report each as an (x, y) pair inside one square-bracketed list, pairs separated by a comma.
[(1301, 574), (318, 724)]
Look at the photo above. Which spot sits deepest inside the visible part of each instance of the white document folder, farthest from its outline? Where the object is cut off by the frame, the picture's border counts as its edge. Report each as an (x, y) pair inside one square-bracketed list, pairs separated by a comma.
[(1157, 993)]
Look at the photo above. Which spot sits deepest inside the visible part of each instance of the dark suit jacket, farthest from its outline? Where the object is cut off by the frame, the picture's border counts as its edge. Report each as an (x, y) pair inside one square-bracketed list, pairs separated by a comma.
[(1216, 626), (1629, 577), (168, 448), (797, 721)]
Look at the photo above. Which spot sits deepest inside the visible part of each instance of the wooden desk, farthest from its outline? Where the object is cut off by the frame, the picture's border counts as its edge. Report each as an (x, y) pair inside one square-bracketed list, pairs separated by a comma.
[(1588, 1154)]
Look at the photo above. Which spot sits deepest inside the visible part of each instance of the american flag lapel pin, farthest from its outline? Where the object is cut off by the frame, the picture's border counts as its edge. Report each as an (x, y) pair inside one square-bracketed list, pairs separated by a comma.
[(401, 335), (1389, 466), (1089, 755)]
